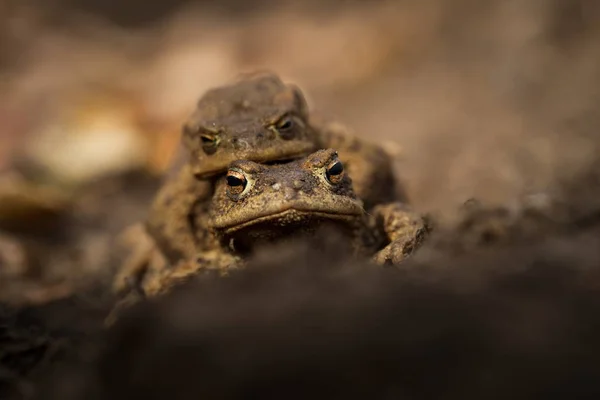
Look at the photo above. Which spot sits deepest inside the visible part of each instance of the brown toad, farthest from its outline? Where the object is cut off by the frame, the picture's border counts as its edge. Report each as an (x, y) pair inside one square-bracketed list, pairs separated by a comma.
[(255, 203), (260, 119)]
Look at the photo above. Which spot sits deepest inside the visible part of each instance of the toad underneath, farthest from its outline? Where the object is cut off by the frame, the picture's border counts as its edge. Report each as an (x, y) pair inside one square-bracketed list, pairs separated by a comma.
[(254, 204)]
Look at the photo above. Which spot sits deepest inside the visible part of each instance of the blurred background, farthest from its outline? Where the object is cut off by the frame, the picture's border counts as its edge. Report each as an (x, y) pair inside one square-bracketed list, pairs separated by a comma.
[(477, 98)]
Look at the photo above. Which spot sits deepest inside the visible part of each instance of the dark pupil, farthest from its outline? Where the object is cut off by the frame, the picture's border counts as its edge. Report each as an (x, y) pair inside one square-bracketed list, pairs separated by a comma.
[(234, 181), (336, 169), (285, 125), (207, 140)]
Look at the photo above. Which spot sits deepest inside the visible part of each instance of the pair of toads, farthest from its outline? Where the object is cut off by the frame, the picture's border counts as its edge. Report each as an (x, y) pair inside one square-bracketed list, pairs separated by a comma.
[(261, 168)]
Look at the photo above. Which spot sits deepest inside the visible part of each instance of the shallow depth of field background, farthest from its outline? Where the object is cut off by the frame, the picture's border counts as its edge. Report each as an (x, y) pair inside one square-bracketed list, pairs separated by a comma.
[(487, 98), (476, 98)]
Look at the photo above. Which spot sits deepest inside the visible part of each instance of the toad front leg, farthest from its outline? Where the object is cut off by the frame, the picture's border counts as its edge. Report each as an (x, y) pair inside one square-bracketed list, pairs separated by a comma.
[(404, 228)]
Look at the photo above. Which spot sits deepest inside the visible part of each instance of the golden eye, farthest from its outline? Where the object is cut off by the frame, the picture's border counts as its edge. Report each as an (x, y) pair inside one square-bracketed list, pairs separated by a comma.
[(236, 184), (334, 172)]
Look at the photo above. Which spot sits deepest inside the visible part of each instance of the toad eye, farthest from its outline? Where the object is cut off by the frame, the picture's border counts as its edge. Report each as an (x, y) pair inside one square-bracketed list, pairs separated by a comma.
[(286, 124), (334, 172), (210, 142), (288, 127), (236, 180), (236, 184)]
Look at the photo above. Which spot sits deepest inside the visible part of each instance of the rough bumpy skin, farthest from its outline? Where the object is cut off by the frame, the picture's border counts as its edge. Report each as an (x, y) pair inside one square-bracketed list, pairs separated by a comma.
[(260, 119), (279, 200)]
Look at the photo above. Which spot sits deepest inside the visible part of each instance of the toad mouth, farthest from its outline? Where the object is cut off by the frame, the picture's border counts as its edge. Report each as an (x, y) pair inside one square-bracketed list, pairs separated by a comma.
[(291, 215)]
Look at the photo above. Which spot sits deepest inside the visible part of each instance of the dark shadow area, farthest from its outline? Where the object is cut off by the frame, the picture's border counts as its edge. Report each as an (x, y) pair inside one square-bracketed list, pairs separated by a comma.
[(519, 322)]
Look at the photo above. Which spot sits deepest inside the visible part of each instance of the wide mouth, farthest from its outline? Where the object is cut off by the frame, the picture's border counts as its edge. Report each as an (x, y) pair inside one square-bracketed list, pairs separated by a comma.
[(283, 152), (290, 215)]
